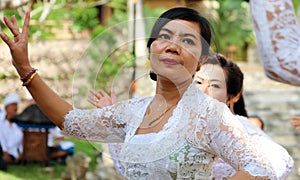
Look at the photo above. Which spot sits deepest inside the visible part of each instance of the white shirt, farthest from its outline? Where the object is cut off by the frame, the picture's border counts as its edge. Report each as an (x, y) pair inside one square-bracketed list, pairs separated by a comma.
[(11, 138)]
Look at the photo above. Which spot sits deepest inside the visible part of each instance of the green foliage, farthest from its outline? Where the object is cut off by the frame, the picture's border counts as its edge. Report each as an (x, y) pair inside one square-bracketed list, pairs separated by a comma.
[(296, 4), (232, 25), (34, 171), (2, 76), (151, 14), (120, 13), (84, 18), (108, 60)]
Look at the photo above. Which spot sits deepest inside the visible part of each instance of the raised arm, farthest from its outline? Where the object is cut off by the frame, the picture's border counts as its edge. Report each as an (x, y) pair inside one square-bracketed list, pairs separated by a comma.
[(278, 39), (54, 107)]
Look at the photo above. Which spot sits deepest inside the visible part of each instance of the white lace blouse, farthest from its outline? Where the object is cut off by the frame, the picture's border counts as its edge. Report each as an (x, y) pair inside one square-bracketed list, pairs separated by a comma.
[(222, 170), (278, 39), (199, 130)]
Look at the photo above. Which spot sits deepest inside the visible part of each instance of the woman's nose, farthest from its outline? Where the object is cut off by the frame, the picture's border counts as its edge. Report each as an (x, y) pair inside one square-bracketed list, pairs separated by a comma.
[(173, 47), (204, 88)]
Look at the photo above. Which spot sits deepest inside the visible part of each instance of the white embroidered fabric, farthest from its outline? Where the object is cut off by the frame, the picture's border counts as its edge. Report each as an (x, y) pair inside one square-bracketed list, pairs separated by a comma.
[(278, 39), (222, 170), (199, 130)]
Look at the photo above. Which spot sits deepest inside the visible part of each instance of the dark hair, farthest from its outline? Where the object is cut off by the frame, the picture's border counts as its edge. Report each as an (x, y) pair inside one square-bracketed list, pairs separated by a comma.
[(234, 81), (187, 14)]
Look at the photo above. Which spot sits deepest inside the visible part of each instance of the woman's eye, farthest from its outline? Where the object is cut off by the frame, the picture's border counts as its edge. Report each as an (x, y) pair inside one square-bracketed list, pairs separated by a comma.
[(198, 82), (164, 36), (214, 86), (188, 41)]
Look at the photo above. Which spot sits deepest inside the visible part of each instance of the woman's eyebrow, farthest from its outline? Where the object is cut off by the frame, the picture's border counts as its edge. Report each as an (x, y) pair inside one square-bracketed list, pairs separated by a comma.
[(168, 30), (182, 35)]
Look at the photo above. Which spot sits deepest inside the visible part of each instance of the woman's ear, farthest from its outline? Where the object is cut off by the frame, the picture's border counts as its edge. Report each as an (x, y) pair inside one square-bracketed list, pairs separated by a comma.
[(237, 97), (231, 100), (230, 103)]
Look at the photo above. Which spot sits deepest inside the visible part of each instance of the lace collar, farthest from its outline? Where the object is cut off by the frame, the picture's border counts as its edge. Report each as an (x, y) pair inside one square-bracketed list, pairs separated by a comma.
[(174, 134)]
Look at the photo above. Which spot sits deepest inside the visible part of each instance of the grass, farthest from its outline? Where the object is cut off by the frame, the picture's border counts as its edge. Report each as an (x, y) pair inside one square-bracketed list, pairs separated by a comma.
[(35, 170)]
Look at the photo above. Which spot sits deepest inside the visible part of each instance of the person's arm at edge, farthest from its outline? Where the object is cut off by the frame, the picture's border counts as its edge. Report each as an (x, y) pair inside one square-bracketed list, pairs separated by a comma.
[(279, 56)]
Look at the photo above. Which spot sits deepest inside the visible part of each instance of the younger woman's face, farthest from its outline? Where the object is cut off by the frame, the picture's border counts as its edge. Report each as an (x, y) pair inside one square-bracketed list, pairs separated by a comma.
[(211, 80), (177, 50)]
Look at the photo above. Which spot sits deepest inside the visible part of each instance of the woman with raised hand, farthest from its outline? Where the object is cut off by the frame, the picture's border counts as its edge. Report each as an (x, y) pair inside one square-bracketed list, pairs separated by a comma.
[(175, 134)]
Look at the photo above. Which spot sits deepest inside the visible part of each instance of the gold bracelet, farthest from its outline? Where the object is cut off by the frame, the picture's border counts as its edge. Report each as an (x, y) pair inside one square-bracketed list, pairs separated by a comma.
[(26, 83)]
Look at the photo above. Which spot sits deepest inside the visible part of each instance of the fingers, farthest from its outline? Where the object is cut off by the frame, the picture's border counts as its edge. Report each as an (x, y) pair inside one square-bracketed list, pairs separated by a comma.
[(6, 39), (99, 99), (92, 101), (295, 121), (13, 26), (25, 28), (103, 93), (113, 96), (296, 118)]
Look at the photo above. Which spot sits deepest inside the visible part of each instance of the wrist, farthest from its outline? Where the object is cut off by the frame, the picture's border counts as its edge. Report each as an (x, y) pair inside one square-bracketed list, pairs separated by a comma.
[(23, 71)]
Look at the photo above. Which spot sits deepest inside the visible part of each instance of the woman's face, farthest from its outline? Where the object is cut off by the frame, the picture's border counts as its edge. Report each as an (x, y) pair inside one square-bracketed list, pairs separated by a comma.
[(211, 80), (176, 52)]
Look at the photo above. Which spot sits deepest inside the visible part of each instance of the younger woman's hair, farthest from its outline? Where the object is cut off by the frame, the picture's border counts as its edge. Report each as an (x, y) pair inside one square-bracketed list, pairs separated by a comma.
[(234, 81)]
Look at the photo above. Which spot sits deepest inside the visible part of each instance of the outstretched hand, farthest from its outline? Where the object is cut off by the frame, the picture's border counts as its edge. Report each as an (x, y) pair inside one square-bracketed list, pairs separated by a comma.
[(295, 121), (101, 99), (19, 45)]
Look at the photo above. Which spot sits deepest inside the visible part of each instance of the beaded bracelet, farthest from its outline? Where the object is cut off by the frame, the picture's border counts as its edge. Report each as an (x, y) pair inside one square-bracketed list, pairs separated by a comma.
[(26, 83), (28, 75)]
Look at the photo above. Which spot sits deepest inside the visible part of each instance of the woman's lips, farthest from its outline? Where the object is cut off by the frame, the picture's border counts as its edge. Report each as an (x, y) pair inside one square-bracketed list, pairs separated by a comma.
[(170, 61)]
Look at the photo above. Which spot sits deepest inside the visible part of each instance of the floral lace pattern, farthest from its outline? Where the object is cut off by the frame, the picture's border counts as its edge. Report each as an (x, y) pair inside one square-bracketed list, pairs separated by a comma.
[(278, 39), (199, 130), (222, 170)]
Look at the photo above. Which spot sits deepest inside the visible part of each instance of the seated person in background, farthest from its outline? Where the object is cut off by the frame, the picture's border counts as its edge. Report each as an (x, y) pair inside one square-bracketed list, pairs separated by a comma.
[(59, 149), (257, 121), (11, 135)]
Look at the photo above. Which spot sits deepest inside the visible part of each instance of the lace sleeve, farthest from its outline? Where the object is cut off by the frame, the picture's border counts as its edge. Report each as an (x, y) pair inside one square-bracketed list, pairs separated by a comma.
[(230, 140), (94, 125), (278, 39)]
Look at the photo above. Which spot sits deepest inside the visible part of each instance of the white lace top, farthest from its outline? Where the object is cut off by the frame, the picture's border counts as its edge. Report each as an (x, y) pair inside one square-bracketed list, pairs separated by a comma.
[(222, 170), (278, 39), (199, 130)]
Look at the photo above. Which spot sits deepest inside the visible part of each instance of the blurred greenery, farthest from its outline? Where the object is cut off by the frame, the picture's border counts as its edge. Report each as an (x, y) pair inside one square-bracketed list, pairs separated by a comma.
[(233, 27)]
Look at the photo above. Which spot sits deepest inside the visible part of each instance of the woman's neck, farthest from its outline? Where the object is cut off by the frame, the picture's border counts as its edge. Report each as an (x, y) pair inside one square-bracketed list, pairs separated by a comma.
[(171, 92)]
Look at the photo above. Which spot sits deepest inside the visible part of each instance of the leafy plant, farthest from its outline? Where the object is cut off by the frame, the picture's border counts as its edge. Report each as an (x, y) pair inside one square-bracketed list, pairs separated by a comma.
[(233, 26), (84, 18)]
